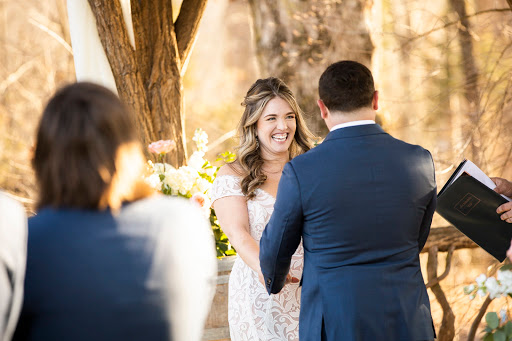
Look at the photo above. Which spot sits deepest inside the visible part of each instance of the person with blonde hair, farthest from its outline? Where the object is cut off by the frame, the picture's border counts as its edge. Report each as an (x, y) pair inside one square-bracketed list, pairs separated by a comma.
[(271, 132), (105, 256)]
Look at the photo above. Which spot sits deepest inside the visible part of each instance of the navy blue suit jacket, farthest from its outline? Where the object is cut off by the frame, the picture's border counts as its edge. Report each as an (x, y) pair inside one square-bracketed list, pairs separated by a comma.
[(362, 201), (99, 276)]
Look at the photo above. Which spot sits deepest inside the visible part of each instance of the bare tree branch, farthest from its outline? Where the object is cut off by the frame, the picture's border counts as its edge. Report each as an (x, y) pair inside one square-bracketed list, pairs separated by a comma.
[(186, 27), (446, 269), (481, 312), (422, 35), (444, 238), (447, 329)]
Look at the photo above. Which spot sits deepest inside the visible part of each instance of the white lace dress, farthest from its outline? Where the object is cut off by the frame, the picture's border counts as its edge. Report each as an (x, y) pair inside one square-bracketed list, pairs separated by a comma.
[(253, 314)]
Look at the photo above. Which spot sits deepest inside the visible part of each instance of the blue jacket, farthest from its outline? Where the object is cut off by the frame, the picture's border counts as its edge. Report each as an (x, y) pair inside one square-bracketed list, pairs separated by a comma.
[(95, 275), (362, 201)]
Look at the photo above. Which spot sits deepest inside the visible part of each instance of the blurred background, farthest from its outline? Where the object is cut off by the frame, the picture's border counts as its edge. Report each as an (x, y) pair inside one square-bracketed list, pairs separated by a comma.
[(442, 68)]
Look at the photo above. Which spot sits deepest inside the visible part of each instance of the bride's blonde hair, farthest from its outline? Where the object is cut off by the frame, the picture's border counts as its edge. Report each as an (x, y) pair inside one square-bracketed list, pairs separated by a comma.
[(249, 158)]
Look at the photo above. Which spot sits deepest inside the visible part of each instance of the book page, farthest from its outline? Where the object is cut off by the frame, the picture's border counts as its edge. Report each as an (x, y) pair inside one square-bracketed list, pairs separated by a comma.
[(470, 168)]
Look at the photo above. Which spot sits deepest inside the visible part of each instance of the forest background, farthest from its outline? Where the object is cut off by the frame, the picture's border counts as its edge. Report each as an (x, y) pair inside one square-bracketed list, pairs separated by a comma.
[(443, 69)]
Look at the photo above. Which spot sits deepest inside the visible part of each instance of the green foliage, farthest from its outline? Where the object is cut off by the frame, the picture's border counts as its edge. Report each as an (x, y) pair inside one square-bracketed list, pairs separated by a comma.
[(496, 331), (221, 240), (227, 157)]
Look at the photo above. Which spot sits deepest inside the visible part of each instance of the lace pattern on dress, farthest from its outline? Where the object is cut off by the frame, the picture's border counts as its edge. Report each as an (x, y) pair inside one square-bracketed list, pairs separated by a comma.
[(252, 313)]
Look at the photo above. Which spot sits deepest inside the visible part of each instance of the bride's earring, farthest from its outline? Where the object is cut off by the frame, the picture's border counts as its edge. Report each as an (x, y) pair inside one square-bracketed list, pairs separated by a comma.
[(257, 142)]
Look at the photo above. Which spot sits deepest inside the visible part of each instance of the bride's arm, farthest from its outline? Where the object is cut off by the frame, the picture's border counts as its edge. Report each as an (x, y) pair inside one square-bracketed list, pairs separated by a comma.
[(234, 219)]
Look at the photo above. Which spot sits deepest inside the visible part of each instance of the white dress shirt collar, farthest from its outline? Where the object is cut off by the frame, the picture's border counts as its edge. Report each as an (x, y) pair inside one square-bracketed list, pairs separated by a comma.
[(352, 124)]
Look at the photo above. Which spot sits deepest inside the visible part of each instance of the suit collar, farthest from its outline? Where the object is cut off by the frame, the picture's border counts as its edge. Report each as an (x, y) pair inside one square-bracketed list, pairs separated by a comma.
[(355, 131)]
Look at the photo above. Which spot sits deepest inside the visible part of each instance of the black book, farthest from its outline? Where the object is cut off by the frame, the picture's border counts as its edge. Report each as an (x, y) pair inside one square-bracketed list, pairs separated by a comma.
[(470, 206)]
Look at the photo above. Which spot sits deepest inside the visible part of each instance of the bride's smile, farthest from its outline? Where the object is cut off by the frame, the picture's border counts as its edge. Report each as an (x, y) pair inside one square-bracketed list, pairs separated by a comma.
[(276, 127)]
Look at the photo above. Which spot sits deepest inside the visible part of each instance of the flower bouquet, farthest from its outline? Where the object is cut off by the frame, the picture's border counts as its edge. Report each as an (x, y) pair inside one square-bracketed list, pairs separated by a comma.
[(193, 181)]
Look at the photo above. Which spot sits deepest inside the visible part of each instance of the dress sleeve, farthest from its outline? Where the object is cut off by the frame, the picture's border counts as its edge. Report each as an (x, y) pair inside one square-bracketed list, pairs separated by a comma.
[(226, 186)]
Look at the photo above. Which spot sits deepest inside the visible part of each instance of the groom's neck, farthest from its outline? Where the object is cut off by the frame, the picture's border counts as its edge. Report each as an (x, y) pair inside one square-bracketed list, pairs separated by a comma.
[(337, 117)]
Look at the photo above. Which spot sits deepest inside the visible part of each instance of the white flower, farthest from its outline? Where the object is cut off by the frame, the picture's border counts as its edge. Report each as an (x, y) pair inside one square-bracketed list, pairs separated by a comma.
[(196, 160), (201, 139), (154, 181), (481, 279), (481, 292), (505, 278), (469, 289), (161, 168), (493, 287)]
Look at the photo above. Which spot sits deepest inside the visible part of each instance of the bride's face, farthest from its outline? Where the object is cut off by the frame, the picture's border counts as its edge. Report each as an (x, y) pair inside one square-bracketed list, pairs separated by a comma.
[(276, 127)]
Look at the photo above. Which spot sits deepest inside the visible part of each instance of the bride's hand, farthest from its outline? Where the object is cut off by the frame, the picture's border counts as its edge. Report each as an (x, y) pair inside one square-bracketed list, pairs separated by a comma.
[(291, 279)]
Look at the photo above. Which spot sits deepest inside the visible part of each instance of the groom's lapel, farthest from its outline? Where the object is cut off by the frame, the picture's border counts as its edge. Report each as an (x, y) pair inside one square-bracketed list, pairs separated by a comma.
[(355, 131)]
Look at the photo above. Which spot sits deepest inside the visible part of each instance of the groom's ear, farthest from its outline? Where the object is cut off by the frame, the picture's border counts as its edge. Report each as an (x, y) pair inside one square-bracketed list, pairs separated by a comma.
[(375, 101), (323, 109)]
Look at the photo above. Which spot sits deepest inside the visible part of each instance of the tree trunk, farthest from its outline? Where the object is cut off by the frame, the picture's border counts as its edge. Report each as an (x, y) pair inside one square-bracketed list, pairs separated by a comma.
[(149, 78), (296, 40), (470, 77)]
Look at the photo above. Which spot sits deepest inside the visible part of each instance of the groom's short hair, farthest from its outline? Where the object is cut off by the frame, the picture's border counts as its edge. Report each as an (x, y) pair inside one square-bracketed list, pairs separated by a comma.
[(346, 86)]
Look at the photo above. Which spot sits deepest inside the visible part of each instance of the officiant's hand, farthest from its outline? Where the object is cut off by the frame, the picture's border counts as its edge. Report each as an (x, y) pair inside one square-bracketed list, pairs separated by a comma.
[(504, 187)]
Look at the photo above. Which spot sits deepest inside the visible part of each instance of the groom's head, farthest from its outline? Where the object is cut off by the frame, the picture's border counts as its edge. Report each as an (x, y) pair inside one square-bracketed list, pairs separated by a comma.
[(346, 87)]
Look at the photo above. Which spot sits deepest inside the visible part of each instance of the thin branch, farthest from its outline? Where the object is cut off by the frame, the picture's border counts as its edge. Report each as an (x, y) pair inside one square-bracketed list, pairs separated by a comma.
[(52, 34), (447, 329), (15, 76), (455, 23), (481, 312), (221, 139), (447, 267), (186, 27)]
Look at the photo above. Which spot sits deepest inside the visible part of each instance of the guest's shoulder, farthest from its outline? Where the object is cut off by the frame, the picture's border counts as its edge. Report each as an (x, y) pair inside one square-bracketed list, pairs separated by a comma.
[(45, 220), (158, 207), (12, 211)]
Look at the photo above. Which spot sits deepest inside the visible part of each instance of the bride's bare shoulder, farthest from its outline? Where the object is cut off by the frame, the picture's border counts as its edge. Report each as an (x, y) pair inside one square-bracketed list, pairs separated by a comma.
[(230, 169)]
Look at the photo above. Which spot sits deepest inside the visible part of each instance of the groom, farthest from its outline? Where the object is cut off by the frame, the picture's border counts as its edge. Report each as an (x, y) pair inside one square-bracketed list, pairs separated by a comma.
[(362, 201)]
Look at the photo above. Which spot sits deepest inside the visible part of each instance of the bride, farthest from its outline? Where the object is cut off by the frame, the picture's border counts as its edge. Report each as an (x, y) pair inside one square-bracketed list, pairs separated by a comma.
[(271, 132)]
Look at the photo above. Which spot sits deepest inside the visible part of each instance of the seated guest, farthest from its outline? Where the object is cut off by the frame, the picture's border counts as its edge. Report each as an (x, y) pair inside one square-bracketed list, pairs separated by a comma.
[(106, 259), (13, 254)]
